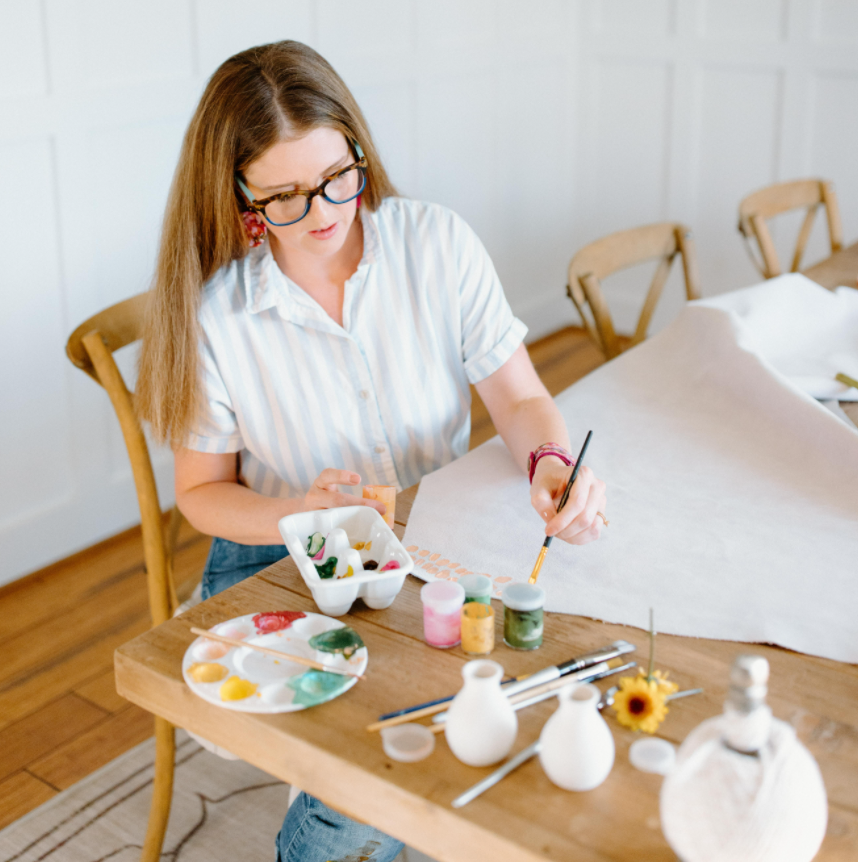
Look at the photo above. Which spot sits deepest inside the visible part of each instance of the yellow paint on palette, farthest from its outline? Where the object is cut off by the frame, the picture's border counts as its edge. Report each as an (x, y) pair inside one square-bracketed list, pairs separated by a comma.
[(236, 688), (349, 572), (207, 671), (359, 546)]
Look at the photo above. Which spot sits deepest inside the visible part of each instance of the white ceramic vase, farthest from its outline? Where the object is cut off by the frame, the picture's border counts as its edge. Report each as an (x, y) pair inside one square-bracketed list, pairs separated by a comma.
[(481, 724), (577, 749)]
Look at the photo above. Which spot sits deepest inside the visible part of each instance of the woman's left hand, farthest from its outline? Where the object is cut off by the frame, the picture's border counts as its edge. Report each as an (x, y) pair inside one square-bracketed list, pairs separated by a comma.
[(578, 522)]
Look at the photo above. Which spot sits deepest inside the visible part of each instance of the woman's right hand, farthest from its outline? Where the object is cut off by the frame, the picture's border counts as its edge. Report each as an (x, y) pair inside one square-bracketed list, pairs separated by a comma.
[(325, 494)]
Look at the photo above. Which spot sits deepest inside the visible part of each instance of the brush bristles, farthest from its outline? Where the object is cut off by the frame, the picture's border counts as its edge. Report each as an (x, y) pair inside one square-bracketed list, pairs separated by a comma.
[(535, 573)]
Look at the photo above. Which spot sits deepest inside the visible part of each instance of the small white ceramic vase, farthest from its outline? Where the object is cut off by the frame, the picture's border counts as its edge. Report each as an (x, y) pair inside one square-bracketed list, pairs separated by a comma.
[(481, 724), (577, 749)]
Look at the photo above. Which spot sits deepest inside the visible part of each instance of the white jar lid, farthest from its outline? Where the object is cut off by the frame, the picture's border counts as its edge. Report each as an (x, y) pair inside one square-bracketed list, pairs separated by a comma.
[(476, 585), (650, 754), (407, 743), (523, 597), (443, 596)]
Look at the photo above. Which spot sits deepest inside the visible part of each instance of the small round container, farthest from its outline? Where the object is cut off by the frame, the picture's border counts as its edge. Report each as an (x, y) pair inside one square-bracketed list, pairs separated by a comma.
[(407, 743), (478, 628), (522, 616), (478, 588), (442, 607), (384, 494), (650, 754)]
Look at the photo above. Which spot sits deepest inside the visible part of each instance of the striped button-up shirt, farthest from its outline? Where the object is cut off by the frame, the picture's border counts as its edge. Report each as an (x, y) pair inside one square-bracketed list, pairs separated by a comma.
[(384, 395)]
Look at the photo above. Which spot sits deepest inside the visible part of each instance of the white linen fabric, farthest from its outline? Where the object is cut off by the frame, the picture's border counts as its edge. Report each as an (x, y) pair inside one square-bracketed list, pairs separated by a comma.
[(732, 495), (809, 334), (385, 395)]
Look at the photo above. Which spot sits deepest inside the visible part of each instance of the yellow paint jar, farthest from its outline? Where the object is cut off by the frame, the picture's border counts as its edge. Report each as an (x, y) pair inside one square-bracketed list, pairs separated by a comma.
[(478, 628), (384, 494)]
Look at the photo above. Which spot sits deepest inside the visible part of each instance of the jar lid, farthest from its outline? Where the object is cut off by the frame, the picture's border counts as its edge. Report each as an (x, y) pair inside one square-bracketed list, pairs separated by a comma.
[(523, 597), (476, 585), (407, 743), (652, 755), (443, 595)]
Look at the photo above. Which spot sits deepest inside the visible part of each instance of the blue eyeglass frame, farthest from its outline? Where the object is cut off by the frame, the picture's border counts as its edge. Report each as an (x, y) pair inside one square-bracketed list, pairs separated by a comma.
[(258, 206)]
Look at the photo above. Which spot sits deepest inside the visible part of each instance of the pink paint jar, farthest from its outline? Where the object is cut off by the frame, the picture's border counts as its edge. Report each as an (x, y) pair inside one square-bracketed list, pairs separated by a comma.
[(442, 613)]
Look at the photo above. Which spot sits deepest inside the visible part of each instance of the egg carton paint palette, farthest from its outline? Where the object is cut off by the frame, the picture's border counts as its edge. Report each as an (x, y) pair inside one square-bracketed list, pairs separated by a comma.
[(344, 554), (249, 681)]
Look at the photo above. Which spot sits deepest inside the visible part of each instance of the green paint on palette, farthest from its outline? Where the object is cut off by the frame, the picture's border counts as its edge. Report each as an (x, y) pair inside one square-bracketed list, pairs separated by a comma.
[(316, 686), (345, 640), (326, 570)]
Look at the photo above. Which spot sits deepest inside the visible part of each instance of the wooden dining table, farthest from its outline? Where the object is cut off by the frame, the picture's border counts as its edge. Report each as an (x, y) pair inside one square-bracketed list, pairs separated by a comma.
[(328, 752)]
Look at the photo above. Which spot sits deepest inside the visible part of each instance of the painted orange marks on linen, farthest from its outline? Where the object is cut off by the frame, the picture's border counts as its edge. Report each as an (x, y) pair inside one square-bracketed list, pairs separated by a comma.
[(433, 564)]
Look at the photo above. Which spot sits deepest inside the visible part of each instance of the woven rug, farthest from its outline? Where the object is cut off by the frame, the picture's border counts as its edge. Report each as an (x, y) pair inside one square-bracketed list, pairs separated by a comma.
[(222, 810)]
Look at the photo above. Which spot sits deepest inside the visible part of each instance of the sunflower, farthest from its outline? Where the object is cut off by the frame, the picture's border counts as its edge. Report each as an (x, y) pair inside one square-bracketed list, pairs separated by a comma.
[(640, 702)]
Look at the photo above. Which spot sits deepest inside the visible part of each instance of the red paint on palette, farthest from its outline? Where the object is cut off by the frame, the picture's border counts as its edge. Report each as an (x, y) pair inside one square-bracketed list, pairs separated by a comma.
[(275, 621)]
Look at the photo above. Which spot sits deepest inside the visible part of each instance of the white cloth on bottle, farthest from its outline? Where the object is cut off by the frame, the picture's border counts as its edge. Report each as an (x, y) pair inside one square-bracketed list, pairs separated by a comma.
[(732, 495)]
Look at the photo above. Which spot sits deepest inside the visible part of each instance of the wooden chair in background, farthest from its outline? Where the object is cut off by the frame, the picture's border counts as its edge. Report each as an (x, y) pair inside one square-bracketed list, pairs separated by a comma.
[(90, 347), (619, 251), (780, 198)]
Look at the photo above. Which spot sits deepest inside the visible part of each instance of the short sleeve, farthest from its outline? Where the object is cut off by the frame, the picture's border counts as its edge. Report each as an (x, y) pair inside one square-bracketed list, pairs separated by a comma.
[(490, 331), (216, 430)]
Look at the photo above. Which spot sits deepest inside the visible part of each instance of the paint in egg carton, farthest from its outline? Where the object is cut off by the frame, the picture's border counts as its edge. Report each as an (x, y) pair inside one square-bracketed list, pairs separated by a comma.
[(344, 529)]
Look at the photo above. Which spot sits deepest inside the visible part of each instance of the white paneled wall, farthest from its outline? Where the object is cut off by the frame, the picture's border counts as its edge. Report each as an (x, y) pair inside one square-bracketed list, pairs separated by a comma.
[(545, 123)]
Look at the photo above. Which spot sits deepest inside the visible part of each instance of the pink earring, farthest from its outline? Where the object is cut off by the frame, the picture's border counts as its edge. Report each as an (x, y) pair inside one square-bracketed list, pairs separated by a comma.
[(254, 227)]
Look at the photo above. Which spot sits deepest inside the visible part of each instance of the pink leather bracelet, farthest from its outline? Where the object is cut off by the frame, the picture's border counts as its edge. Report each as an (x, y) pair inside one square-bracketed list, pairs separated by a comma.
[(547, 449)]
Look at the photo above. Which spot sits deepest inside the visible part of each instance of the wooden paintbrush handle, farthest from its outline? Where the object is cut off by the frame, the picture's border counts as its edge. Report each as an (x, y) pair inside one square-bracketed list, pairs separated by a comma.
[(307, 662)]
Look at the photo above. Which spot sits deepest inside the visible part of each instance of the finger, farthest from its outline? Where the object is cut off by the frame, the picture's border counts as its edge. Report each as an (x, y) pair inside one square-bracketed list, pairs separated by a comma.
[(574, 505), (540, 499), (588, 525), (330, 478), (585, 519), (586, 536), (336, 500)]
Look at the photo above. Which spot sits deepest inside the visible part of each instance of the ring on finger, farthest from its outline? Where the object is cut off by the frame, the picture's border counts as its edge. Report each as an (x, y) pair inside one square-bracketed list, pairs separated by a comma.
[(605, 521)]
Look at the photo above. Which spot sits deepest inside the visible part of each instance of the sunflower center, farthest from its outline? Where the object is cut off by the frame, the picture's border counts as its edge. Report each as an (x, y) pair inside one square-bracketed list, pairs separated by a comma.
[(638, 705)]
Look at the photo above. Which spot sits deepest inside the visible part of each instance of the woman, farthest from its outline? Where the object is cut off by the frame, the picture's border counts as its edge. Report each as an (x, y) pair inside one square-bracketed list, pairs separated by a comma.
[(310, 331)]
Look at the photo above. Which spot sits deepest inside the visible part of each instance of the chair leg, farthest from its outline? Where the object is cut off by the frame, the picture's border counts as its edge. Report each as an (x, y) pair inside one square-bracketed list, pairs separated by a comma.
[(162, 790)]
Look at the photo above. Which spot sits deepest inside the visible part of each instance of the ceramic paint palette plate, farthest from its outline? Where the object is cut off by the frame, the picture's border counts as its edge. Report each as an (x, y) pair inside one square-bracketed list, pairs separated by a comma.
[(249, 681)]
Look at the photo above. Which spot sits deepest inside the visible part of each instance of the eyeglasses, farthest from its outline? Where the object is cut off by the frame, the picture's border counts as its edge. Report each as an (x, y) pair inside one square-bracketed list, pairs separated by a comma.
[(290, 207)]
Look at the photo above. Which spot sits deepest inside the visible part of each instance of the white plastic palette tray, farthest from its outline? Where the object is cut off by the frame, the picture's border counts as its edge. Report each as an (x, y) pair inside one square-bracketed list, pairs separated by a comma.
[(261, 683), (359, 525)]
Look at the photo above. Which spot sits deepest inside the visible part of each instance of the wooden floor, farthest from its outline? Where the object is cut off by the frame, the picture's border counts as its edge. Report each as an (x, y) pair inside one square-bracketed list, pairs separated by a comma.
[(60, 716)]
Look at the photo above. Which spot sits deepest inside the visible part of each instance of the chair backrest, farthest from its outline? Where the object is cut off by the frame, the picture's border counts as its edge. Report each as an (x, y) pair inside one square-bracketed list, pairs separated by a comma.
[(621, 250), (90, 347), (780, 198)]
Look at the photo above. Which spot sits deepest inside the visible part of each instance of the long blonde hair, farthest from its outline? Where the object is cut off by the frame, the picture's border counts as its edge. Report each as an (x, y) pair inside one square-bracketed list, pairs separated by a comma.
[(253, 100)]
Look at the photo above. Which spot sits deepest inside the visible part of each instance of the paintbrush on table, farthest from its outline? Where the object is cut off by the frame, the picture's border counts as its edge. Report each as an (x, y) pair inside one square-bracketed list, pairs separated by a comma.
[(552, 689), (544, 550), (273, 653), (512, 686)]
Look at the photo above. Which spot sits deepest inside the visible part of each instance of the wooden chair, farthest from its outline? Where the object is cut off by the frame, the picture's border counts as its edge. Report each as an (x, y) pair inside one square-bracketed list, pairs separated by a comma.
[(90, 347), (780, 198), (619, 251)]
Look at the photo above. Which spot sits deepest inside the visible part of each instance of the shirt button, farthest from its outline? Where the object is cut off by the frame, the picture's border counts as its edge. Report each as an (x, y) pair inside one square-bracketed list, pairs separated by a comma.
[(380, 448), (364, 394)]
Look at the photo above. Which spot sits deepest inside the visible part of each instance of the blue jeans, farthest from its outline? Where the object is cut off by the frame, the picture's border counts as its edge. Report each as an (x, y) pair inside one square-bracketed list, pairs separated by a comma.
[(311, 832)]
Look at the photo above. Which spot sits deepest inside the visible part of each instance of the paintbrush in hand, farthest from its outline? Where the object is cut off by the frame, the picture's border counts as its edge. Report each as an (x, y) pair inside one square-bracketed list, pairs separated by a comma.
[(544, 550)]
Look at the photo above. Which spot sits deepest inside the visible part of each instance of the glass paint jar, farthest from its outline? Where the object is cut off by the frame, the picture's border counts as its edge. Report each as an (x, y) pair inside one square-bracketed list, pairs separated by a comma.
[(384, 494), (442, 609), (478, 628), (478, 588), (522, 616)]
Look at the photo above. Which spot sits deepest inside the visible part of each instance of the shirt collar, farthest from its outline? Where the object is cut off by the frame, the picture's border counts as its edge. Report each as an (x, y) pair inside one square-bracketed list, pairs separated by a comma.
[(266, 286)]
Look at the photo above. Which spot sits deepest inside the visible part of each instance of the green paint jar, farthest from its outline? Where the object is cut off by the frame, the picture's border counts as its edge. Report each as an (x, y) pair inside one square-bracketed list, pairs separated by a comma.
[(522, 616), (478, 588)]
